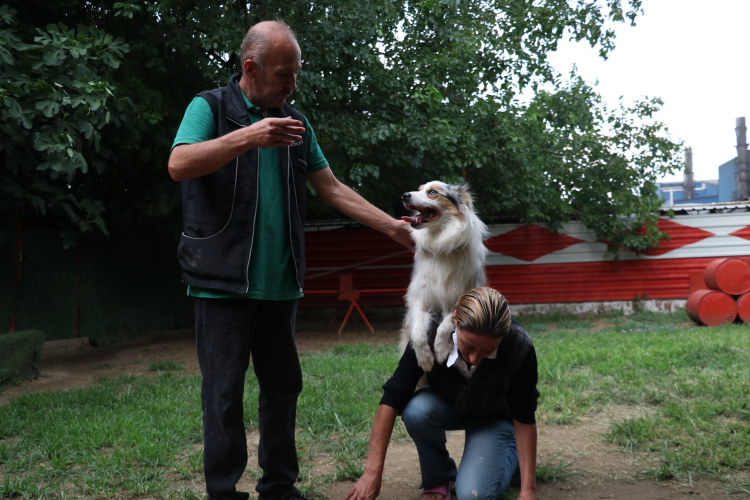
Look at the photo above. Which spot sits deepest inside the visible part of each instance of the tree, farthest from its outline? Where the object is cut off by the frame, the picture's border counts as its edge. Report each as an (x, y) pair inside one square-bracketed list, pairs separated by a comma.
[(57, 97), (404, 92)]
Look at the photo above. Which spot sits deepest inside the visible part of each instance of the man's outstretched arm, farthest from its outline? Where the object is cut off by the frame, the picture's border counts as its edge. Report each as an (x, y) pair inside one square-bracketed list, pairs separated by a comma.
[(347, 201)]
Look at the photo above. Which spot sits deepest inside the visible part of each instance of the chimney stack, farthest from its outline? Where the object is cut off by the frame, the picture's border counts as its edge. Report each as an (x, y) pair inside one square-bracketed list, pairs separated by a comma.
[(742, 159), (688, 183)]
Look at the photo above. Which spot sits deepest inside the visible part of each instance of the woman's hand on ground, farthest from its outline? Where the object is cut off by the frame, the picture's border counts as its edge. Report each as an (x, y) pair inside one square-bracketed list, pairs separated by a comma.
[(367, 488)]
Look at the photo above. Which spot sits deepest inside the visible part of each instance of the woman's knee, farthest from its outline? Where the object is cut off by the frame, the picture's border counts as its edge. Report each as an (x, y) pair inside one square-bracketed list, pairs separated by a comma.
[(414, 415), (468, 491), (420, 412)]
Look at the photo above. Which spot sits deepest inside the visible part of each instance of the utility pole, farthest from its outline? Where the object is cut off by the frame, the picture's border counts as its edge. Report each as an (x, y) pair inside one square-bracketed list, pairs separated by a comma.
[(742, 164)]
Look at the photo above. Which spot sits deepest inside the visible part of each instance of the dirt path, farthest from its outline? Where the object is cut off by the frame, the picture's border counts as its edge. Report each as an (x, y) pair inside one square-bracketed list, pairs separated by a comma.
[(605, 471)]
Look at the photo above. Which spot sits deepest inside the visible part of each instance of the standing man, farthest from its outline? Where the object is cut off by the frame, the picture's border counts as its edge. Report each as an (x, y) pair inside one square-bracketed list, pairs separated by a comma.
[(244, 158)]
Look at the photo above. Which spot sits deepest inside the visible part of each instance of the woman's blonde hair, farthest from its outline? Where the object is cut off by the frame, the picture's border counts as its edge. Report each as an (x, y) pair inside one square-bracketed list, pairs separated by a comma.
[(483, 311)]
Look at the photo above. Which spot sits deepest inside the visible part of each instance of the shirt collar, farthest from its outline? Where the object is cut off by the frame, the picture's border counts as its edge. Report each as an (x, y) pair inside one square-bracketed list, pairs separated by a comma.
[(251, 108)]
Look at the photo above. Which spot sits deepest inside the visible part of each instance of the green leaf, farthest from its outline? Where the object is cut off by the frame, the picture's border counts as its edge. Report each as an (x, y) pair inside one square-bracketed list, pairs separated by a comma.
[(71, 214), (51, 57), (6, 56), (100, 222), (16, 112), (86, 128)]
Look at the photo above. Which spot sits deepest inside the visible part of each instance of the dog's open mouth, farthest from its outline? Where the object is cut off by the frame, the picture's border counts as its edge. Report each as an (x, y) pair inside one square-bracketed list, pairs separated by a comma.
[(423, 215)]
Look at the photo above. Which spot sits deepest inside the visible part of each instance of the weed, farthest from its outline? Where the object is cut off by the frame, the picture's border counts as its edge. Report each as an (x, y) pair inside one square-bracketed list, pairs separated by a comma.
[(349, 470), (165, 366), (639, 301), (255, 472), (574, 325), (311, 486), (550, 472), (32, 485), (189, 494), (195, 459), (631, 433)]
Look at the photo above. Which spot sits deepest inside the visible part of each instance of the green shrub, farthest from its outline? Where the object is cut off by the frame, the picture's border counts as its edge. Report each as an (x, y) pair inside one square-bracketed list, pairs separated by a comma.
[(22, 353)]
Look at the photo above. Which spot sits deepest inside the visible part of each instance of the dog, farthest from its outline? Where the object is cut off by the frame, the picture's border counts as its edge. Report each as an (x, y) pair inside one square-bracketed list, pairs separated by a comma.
[(449, 261)]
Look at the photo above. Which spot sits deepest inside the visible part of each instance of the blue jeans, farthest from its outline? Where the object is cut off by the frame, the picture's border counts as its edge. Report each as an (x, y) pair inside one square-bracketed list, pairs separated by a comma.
[(489, 461)]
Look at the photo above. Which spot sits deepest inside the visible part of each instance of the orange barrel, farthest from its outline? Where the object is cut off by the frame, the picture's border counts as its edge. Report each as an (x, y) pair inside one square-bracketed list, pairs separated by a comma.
[(711, 307), (730, 275), (743, 307)]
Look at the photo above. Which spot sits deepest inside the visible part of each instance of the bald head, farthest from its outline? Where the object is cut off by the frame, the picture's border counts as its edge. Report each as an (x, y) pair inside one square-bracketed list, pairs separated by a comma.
[(260, 38)]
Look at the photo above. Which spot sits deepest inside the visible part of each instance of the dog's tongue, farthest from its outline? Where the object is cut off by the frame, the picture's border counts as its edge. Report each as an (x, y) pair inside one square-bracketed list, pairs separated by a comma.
[(415, 219)]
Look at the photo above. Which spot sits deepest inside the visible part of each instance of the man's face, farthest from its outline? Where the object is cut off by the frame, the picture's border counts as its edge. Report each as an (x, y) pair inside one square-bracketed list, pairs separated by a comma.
[(278, 79)]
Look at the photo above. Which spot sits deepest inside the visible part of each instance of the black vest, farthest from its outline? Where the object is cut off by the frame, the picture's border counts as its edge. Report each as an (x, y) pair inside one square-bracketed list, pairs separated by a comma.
[(484, 394), (219, 209)]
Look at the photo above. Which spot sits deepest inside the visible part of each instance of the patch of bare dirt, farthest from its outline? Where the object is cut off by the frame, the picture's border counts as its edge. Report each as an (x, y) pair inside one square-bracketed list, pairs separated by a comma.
[(605, 471)]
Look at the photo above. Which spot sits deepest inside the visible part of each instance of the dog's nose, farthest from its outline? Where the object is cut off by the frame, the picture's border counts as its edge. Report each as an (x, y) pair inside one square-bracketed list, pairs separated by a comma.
[(405, 196)]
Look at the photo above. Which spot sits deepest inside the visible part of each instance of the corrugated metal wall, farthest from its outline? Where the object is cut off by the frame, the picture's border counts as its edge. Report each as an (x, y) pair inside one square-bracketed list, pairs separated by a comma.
[(532, 265)]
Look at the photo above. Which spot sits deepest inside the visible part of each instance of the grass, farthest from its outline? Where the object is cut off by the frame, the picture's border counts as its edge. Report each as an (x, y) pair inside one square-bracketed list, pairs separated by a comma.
[(555, 470), (166, 366), (137, 436), (695, 382)]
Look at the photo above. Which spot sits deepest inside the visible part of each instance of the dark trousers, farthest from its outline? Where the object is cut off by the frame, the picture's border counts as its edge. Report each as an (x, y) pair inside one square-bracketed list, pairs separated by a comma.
[(228, 331)]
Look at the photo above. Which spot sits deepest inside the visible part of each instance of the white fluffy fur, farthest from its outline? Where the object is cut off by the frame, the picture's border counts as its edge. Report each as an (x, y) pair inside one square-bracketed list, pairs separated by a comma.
[(449, 260)]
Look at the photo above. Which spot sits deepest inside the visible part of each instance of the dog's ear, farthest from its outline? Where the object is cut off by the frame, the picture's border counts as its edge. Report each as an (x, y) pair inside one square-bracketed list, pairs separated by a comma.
[(465, 196)]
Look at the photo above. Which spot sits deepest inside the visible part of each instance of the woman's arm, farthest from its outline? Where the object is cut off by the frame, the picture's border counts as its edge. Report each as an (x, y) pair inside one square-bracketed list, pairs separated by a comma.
[(526, 446), (368, 486)]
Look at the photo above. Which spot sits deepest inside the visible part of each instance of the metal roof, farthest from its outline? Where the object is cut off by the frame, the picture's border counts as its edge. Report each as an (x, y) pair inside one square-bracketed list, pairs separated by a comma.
[(707, 208)]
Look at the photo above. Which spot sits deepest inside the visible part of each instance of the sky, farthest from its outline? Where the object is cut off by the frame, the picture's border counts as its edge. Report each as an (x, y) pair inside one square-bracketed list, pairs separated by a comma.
[(694, 54)]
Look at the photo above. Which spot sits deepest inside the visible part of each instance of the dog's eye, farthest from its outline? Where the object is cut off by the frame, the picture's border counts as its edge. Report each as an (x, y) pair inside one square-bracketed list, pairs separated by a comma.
[(432, 191)]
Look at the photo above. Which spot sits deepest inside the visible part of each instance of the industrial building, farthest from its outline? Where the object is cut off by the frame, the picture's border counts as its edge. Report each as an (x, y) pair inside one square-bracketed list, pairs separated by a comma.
[(732, 184)]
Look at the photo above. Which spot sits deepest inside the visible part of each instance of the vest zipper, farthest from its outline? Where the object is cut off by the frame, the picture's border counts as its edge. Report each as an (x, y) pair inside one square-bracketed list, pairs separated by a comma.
[(294, 184), (255, 216), (289, 211), (255, 212)]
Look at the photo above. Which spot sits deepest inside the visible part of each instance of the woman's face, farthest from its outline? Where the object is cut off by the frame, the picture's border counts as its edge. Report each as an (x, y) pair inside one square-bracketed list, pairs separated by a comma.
[(474, 348)]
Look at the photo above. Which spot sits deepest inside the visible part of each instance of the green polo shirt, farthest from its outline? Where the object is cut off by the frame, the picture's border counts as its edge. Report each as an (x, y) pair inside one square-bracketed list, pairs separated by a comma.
[(271, 272)]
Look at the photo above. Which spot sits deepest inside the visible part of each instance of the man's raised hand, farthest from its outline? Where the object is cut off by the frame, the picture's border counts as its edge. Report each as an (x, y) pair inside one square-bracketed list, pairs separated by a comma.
[(274, 132)]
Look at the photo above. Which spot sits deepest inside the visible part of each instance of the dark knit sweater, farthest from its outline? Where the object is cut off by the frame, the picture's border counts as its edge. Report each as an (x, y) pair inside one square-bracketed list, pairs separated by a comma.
[(517, 396)]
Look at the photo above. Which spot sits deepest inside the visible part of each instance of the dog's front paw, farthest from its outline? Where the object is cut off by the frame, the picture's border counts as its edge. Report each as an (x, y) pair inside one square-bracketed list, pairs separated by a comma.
[(443, 338), (422, 349), (426, 362)]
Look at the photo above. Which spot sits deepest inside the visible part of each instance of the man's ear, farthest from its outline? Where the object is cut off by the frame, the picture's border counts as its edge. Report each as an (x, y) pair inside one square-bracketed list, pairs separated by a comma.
[(249, 67)]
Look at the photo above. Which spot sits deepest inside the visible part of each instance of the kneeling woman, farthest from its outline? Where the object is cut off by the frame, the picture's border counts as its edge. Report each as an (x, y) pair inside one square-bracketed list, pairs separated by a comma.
[(486, 386)]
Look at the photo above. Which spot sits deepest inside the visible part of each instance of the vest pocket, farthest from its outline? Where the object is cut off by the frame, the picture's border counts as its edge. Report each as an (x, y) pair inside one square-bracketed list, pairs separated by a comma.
[(209, 202)]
